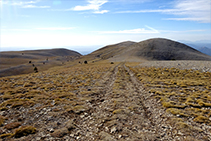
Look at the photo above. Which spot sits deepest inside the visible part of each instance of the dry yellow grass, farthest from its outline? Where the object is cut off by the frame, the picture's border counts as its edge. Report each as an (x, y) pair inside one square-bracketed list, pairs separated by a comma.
[(184, 93), (90, 90)]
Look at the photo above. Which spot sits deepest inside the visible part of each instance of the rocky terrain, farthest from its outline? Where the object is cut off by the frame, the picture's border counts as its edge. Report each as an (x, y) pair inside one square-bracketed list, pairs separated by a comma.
[(107, 101)]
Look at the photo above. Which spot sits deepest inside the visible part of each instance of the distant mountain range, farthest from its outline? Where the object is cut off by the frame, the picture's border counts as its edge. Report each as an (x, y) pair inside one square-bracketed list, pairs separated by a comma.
[(202, 46), (205, 50)]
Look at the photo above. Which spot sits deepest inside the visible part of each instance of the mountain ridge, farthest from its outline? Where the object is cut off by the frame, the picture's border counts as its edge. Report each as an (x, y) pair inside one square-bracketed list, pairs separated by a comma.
[(151, 49)]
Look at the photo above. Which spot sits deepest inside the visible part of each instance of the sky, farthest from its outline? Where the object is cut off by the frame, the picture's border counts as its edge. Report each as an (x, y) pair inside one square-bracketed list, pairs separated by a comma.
[(84, 25)]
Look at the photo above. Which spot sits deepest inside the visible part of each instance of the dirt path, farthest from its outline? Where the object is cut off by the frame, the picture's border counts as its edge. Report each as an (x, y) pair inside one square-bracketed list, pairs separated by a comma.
[(118, 111)]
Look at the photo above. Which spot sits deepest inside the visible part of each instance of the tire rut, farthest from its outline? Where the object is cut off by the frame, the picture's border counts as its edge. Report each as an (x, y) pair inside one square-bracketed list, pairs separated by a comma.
[(138, 88), (153, 110), (91, 122)]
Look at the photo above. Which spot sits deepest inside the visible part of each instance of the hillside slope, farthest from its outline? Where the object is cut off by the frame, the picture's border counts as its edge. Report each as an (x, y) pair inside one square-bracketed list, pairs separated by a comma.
[(37, 54), (151, 49), (22, 62), (111, 50)]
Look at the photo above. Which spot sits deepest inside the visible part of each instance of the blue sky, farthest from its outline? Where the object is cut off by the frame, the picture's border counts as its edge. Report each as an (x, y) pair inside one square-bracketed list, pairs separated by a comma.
[(91, 24)]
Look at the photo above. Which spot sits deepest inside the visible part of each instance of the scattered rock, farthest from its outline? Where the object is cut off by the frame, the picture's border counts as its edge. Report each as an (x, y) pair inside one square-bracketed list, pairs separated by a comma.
[(70, 125), (72, 135), (113, 129), (59, 133), (79, 109), (106, 137), (118, 111), (51, 130)]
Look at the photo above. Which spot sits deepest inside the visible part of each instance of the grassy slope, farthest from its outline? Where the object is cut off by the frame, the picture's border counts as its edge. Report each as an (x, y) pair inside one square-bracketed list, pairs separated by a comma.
[(14, 63)]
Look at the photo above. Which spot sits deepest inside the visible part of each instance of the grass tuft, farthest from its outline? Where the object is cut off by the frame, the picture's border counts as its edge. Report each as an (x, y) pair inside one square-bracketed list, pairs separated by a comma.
[(12, 125), (24, 131)]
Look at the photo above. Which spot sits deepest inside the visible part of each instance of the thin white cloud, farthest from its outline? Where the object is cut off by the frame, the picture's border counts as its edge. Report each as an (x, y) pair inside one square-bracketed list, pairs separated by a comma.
[(94, 5), (44, 28), (23, 3), (132, 31), (101, 12), (26, 4), (130, 1), (34, 6), (185, 31), (148, 31), (198, 19), (152, 11), (188, 10), (56, 28), (20, 30)]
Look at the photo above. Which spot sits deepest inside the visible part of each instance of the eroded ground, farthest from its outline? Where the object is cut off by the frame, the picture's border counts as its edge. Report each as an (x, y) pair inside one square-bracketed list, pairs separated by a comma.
[(106, 102)]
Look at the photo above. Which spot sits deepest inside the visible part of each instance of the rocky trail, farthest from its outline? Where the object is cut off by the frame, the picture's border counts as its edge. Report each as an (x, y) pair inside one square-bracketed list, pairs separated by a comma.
[(118, 111)]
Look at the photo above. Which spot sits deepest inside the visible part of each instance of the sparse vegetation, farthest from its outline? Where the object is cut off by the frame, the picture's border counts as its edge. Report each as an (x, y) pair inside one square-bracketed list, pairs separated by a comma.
[(182, 92), (46, 89), (6, 135), (12, 125), (1, 120), (104, 96), (24, 131), (60, 132)]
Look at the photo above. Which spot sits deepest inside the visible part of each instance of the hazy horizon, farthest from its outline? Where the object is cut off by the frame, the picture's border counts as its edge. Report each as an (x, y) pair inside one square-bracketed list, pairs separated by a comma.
[(91, 24)]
